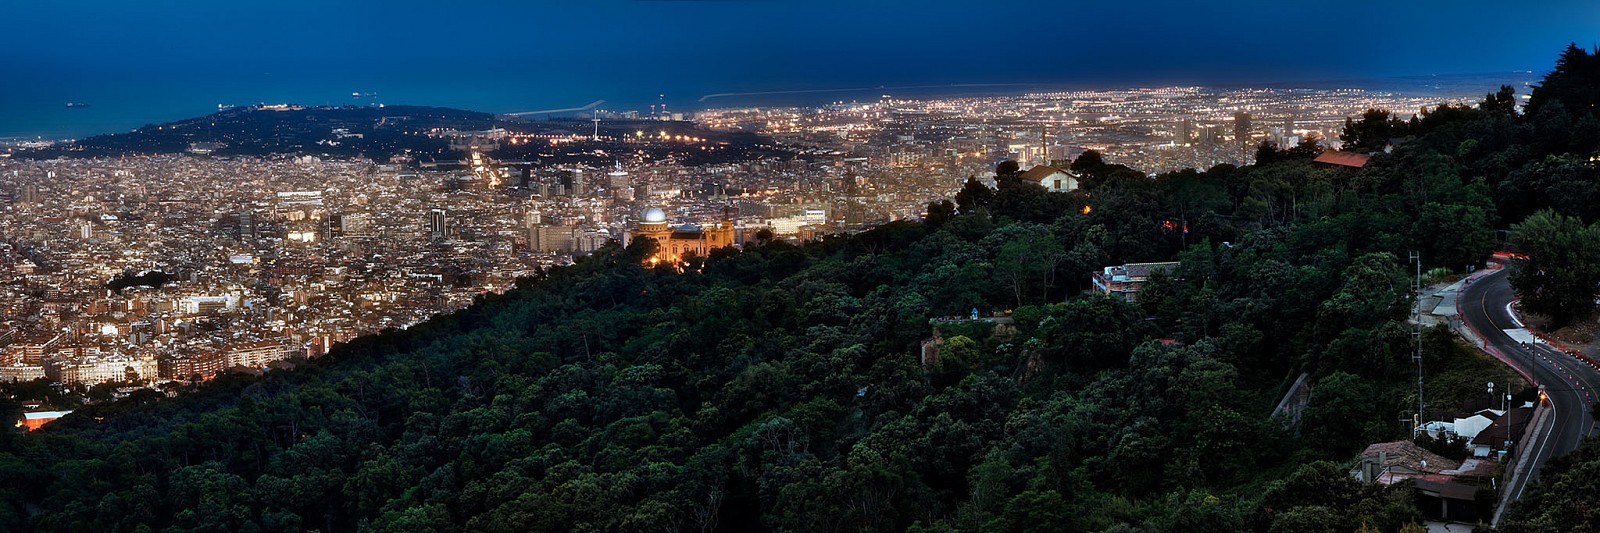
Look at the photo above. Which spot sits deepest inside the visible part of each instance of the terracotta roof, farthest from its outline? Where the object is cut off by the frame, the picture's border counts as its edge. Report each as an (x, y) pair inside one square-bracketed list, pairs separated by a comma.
[(1343, 159), (1039, 172), (1448, 489), (1407, 454)]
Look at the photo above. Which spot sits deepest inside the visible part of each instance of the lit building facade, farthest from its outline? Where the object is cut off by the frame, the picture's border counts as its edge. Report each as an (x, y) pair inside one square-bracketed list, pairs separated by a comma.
[(99, 369), (1124, 281), (673, 243)]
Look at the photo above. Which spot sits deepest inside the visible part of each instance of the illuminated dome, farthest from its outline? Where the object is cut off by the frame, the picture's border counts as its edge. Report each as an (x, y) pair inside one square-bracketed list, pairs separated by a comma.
[(655, 214)]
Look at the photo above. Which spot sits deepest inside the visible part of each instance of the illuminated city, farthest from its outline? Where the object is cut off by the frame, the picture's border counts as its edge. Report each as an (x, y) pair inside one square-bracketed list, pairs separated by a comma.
[(281, 257), (799, 266)]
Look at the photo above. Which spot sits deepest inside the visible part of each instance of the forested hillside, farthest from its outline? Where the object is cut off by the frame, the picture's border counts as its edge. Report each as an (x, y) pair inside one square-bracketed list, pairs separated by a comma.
[(781, 387)]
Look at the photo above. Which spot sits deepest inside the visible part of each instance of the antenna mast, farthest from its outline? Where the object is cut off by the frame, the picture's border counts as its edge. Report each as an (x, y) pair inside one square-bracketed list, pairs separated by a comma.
[(1416, 319), (1044, 145)]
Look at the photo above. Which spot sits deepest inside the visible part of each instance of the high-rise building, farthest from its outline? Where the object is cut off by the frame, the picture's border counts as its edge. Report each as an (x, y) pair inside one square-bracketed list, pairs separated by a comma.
[(545, 238), (1241, 131), (572, 181), (712, 188), (1209, 135), (525, 178), (438, 223), (617, 179), (355, 224), (247, 224)]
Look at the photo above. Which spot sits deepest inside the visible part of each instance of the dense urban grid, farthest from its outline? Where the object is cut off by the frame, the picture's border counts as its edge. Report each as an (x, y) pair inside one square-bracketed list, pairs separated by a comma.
[(148, 269)]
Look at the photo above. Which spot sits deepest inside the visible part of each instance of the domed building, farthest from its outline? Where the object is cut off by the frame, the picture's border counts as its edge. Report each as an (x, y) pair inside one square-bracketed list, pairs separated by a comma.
[(652, 220), (675, 243)]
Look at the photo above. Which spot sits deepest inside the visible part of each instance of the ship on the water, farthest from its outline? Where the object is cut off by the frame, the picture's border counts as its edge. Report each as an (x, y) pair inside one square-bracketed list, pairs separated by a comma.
[(73, 105)]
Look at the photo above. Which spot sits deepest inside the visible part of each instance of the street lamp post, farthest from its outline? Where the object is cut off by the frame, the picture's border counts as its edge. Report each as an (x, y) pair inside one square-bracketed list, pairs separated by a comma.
[(1506, 406), (1491, 397)]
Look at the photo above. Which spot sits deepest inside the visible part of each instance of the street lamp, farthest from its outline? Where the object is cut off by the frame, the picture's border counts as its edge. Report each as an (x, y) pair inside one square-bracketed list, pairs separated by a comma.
[(1507, 417), (1491, 397)]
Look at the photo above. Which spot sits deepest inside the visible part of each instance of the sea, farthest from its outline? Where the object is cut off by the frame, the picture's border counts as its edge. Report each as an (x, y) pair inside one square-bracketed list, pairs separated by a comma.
[(40, 111)]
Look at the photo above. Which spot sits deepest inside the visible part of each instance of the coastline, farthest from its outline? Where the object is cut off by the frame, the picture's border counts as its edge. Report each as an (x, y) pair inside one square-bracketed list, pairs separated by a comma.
[(29, 117)]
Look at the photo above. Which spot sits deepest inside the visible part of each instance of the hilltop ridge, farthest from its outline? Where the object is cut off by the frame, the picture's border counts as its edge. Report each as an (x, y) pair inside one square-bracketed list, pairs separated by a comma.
[(832, 386), (382, 132)]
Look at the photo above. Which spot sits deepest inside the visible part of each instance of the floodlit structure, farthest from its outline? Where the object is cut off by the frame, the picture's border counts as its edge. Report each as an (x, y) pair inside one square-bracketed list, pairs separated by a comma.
[(674, 243)]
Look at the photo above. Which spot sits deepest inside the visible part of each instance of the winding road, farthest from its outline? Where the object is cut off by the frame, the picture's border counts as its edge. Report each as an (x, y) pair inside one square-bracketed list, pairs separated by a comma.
[(1485, 305)]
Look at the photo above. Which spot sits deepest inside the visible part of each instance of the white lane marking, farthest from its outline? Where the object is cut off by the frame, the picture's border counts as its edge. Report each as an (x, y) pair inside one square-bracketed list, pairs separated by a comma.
[(1483, 305), (1554, 421), (1577, 378)]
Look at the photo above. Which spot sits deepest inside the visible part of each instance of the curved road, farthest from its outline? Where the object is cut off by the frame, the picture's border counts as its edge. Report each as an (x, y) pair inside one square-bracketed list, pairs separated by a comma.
[(1571, 384)]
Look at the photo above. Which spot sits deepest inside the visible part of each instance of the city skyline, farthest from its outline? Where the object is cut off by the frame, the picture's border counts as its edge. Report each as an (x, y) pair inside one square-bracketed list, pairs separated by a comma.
[(774, 265), (276, 254), (158, 63)]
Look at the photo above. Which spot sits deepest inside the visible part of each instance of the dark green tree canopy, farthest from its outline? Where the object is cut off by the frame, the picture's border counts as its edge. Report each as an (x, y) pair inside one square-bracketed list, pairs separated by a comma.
[(1372, 132), (1560, 277), (974, 195), (1574, 83), (843, 384)]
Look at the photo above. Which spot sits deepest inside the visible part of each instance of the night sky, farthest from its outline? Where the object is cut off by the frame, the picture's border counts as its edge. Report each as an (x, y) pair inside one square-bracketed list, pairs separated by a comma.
[(179, 58)]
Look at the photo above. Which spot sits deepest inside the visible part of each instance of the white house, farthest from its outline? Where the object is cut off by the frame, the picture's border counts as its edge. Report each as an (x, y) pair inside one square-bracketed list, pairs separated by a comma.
[(1437, 429), (1507, 427), (1469, 427), (1051, 178)]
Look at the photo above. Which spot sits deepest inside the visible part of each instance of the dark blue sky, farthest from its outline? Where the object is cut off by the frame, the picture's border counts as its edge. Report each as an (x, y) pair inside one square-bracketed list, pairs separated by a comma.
[(503, 56)]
